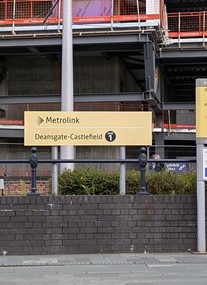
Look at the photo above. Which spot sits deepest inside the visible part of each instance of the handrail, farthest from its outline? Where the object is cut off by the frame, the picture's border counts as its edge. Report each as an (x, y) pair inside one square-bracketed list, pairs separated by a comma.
[(105, 160), (187, 24), (38, 12)]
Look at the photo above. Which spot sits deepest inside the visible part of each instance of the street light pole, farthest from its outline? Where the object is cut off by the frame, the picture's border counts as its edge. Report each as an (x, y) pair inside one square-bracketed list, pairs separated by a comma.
[(67, 97), (142, 168), (33, 164)]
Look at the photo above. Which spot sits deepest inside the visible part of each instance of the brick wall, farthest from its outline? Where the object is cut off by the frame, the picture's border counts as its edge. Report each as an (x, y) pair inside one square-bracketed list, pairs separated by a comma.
[(95, 224), (22, 187)]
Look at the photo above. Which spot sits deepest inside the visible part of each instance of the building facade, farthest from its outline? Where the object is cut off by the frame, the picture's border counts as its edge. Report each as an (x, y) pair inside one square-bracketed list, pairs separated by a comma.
[(129, 55)]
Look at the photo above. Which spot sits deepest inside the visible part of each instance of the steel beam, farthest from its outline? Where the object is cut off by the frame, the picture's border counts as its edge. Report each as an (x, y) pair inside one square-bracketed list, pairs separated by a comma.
[(149, 60), (173, 136), (100, 97), (25, 42), (178, 106), (77, 40), (79, 98), (178, 53)]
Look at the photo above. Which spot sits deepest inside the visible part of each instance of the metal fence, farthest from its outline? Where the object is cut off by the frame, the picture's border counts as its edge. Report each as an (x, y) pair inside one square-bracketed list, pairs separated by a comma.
[(190, 24), (175, 165)]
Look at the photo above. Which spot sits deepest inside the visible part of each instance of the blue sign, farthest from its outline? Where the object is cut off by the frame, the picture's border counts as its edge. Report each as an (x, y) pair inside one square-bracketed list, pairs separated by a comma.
[(177, 167), (206, 172)]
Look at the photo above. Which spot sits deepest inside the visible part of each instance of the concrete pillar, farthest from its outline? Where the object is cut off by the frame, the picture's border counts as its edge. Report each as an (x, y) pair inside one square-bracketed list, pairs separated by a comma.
[(159, 144)]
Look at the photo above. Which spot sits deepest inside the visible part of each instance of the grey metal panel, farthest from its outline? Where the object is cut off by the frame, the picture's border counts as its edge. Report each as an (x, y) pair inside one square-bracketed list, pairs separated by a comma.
[(11, 133)]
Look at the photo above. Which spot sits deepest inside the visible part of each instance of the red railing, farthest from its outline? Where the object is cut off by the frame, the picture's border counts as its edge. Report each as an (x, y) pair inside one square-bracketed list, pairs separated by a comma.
[(191, 25), (31, 12), (27, 12)]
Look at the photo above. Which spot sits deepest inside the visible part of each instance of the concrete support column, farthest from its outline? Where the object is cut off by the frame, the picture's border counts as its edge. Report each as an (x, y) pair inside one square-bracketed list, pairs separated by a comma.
[(159, 144), (149, 60)]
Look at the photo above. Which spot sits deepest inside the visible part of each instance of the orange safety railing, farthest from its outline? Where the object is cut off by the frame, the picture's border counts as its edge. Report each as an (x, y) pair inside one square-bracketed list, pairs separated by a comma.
[(182, 25), (30, 12), (27, 12)]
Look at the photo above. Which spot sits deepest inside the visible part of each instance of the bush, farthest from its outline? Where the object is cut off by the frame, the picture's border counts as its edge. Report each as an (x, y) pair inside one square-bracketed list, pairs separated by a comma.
[(88, 181), (132, 182), (166, 182), (91, 181)]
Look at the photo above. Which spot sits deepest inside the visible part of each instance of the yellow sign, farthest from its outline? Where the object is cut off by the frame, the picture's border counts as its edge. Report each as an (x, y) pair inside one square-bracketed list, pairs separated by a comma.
[(87, 128), (201, 108)]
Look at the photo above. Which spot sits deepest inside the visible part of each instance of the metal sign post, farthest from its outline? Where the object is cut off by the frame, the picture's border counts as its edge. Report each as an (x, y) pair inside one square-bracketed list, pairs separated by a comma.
[(122, 179), (201, 141), (67, 100)]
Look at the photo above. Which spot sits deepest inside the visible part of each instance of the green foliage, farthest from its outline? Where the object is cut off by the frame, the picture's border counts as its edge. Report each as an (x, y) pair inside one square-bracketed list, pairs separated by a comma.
[(166, 182), (88, 181), (132, 182), (91, 181)]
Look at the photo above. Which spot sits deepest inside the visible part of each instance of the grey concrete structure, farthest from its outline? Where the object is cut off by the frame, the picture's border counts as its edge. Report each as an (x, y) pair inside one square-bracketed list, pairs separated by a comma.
[(121, 68), (104, 269), (97, 224)]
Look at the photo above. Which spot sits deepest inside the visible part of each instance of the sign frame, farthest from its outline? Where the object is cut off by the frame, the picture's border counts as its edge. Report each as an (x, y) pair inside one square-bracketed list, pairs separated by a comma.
[(87, 128)]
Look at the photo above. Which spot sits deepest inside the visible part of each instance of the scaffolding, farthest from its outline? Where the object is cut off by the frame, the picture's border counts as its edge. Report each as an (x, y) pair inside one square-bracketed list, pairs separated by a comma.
[(37, 12), (27, 12)]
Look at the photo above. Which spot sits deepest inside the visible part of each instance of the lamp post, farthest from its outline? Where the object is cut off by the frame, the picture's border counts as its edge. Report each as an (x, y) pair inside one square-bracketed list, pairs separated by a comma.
[(142, 168), (33, 164)]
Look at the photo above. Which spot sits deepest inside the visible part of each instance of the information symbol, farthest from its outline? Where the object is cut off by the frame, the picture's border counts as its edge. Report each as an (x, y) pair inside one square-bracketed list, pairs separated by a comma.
[(110, 136)]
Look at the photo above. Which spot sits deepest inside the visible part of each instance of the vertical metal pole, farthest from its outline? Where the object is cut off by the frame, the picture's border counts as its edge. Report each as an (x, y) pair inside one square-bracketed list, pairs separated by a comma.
[(201, 216), (138, 14), (33, 164), (179, 20), (122, 177), (67, 152), (142, 168), (55, 171), (13, 16), (59, 14), (112, 13), (201, 140), (204, 26)]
